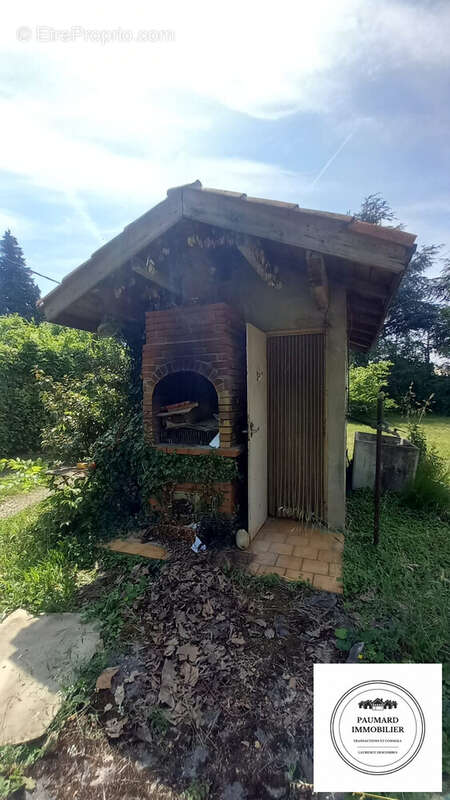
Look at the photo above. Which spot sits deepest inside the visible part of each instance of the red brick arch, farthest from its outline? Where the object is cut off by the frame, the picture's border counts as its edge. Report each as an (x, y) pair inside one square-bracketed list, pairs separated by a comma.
[(208, 340)]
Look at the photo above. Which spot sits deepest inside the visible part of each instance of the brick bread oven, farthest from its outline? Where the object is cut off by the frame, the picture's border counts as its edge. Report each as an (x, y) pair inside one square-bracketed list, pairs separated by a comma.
[(195, 353)]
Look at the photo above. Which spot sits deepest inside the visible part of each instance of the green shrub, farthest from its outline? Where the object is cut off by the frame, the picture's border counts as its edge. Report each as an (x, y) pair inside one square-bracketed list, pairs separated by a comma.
[(431, 488), (365, 384), (80, 410), (156, 469), (28, 349), (20, 475)]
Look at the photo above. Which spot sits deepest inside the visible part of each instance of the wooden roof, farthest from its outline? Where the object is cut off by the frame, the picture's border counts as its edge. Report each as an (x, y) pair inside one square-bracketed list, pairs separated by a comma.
[(369, 260)]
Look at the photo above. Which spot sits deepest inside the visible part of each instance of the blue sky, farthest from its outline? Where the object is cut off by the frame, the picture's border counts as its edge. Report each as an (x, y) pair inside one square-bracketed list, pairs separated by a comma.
[(318, 103)]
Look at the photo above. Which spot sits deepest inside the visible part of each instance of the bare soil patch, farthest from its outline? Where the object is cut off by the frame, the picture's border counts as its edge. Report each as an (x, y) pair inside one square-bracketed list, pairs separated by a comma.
[(12, 505)]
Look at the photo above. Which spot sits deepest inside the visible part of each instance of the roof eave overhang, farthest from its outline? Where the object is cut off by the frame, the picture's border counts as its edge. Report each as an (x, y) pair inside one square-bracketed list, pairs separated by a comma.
[(383, 249)]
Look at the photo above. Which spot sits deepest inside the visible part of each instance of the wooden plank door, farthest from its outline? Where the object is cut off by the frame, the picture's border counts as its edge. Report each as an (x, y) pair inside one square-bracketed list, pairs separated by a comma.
[(257, 428), (296, 426)]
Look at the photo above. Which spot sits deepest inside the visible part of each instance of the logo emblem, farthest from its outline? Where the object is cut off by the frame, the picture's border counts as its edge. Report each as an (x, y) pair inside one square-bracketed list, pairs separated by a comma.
[(377, 727)]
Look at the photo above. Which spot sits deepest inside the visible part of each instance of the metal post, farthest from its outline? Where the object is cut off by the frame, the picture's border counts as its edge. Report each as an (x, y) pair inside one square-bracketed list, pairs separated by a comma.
[(378, 470)]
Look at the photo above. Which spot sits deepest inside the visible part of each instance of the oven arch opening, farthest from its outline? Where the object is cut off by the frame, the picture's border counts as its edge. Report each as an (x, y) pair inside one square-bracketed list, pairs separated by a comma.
[(185, 409)]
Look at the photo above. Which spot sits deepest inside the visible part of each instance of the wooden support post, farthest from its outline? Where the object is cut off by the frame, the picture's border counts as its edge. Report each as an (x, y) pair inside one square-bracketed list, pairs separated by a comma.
[(378, 469)]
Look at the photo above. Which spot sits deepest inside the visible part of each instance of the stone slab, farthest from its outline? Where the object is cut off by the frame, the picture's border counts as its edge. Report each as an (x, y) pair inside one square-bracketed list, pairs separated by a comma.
[(134, 547), (39, 656)]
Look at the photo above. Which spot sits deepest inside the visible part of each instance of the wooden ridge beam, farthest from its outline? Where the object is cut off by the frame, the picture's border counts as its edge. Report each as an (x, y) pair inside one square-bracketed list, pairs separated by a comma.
[(295, 227)]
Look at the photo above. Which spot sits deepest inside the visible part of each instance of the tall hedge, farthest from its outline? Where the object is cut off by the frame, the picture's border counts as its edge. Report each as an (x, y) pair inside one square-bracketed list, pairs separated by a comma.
[(27, 350)]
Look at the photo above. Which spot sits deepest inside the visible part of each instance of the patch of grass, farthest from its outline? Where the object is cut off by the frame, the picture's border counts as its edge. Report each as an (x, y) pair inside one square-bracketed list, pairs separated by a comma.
[(36, 571), (198, 790), (401, 589), (42, 568), (158, 722), (115, 607), (437, 430), (403, 583), (261, 583)]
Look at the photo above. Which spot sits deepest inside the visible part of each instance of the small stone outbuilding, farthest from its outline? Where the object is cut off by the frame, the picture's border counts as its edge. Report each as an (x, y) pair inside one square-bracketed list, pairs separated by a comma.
[(246, 308)]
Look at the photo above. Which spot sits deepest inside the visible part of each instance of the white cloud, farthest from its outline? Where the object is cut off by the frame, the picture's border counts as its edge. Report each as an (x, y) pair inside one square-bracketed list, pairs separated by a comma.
[(123, 121), (19, 225)]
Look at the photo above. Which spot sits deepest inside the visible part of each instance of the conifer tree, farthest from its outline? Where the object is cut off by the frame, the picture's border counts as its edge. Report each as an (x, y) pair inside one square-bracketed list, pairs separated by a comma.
[(18, 291)]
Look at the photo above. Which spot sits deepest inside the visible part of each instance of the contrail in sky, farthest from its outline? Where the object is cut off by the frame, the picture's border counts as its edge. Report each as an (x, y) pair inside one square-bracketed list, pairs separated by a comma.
[(78, 206), (330, 160)]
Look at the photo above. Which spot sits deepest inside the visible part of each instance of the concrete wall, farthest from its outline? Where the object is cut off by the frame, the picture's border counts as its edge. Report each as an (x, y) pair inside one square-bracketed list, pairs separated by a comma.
[(289, 308), (293, 308), (399, 459), (336, 407)]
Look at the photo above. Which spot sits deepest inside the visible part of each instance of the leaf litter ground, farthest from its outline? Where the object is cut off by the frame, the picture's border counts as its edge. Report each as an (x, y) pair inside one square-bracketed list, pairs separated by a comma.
[(212, 698)]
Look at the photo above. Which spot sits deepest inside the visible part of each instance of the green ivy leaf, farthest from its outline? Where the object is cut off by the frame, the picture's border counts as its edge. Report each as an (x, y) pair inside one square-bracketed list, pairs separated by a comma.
[(343, 644), (341, 633)]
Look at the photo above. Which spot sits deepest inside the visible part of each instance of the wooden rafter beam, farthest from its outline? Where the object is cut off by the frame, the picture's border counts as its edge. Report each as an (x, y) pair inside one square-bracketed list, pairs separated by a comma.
[(358, 286), (318, 279), (255, 255), (365, 331), (366, 307), (150, 272)]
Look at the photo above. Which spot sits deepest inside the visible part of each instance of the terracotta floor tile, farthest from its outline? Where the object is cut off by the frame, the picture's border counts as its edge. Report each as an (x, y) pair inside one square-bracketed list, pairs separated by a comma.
[(321, 537), (335, 570), (337, 545), (290, 562), (301, 539), (329, 555), (298, 530), (298, 551), (281, 548), (266, 558), (305, 551), (275, 536), (327, 583), (299, 575), (318, 567), (260, 545), (327, 544), (265, 570)]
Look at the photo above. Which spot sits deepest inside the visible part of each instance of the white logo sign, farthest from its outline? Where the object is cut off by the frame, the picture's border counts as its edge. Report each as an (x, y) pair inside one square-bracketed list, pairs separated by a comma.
[(377, 727)]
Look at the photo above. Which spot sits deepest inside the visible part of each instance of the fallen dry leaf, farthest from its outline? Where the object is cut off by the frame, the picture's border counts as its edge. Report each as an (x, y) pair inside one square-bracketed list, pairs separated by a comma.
[(190, 673), (119, 695), (188, 651), (105, 678), (114, 727)]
